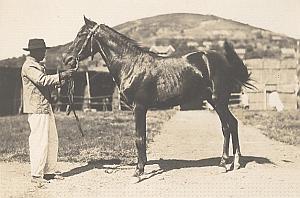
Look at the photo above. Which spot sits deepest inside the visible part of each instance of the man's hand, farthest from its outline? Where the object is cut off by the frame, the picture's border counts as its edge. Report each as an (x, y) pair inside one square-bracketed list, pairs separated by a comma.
[(65, 75)]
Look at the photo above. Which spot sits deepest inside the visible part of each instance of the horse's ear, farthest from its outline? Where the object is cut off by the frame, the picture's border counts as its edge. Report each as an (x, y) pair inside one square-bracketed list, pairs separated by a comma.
[(89, 23)]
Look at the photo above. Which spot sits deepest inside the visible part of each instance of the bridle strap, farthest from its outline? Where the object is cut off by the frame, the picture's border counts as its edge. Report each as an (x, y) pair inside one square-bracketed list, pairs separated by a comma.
[(103, 55), (89, 37)]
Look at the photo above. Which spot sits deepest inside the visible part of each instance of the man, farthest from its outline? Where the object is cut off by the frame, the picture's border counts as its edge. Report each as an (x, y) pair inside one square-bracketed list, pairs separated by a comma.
[(43, 139)]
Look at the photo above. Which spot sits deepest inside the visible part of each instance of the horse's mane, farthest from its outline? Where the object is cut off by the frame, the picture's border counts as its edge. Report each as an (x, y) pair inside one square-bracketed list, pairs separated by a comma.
[(133, 44)]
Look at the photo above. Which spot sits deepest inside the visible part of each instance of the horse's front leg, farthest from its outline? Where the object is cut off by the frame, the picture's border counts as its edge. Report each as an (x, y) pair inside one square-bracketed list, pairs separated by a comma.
[(140, 112)]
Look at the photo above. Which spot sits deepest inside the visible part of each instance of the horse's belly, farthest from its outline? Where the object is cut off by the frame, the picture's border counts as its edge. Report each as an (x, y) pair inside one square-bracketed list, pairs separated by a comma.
[(179, 89), (169, 87)]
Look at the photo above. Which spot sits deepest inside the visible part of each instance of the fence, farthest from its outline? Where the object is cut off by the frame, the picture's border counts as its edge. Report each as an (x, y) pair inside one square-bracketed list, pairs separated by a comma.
[(235, 99), (260, 99), (98, 103)]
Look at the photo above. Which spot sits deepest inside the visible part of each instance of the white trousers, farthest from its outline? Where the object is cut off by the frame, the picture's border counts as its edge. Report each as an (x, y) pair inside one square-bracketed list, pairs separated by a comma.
[(43, 144)]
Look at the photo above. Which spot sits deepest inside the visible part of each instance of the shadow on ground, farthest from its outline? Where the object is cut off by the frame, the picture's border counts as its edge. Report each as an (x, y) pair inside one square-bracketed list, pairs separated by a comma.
[(166, 165), (91, 165), (172, 164)]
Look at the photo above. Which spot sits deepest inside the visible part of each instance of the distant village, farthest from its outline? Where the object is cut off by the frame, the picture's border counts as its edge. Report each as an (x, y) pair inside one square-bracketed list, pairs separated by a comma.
[(278, 48)]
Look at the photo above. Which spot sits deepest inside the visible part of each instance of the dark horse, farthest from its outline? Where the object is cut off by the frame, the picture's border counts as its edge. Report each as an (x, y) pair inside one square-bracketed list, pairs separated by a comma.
[(146, 80)]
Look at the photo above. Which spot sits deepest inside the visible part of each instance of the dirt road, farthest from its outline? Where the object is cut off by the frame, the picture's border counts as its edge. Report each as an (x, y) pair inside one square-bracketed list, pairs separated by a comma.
[(183, 162)]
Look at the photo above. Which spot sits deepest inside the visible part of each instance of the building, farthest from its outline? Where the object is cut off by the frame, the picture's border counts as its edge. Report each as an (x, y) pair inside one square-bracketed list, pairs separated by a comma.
[(273, 75), (164, 51), (288, 52)]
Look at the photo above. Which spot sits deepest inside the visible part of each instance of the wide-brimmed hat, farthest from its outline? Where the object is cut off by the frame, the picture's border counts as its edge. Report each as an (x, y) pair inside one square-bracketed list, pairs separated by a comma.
[(36, 44)]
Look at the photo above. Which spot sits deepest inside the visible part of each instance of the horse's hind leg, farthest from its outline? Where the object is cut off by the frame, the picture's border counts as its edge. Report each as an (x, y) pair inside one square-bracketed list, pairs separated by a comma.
[(140, 140), (230, 125), (235, 141), (219, 107)]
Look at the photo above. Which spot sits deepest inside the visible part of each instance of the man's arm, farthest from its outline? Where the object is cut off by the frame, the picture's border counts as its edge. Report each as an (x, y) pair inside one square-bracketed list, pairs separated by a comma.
[(41, 79)]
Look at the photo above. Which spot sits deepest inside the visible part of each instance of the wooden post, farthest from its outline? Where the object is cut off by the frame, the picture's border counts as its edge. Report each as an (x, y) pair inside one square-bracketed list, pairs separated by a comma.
[(58, 104), (88, 89), (119, 100), (21, 101), (265, 97), (116, 100)]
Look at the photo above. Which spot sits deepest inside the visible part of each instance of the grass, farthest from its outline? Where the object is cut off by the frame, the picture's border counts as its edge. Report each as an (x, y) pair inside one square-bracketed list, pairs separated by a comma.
[(108, 135), (281, 126)]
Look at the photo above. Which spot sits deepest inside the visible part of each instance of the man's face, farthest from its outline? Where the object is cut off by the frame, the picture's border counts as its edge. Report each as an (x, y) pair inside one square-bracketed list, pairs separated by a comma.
[(38, 54)]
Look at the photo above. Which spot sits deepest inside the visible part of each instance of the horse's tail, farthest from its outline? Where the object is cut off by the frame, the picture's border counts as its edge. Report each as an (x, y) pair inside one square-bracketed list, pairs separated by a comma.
[(239, 70)]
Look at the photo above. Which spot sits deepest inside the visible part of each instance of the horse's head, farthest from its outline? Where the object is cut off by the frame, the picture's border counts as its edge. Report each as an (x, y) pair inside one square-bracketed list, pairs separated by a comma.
[(83, 45)]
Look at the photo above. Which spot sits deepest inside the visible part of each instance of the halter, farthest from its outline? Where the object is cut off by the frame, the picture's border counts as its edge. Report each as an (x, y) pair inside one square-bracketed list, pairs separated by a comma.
[(89, 37)]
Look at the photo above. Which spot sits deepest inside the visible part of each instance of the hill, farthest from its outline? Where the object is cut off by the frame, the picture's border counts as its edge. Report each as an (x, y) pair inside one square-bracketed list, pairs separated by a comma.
[(186, 33), (186, 26), (198, 30)]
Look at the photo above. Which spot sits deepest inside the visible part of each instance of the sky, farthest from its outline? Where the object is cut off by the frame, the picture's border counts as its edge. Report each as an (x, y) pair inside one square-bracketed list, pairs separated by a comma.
[(58, 21)]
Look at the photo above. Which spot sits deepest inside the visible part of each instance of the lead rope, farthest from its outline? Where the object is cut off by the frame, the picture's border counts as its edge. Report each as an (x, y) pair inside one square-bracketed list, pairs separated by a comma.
[(71, 85), (70, 106)]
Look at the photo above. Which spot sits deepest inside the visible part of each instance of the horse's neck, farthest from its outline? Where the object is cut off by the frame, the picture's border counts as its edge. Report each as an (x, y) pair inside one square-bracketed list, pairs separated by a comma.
[(118, 56)]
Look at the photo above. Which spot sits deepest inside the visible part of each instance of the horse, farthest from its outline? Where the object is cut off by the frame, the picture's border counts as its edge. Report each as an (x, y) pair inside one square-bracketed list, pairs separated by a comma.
[(146, 80)]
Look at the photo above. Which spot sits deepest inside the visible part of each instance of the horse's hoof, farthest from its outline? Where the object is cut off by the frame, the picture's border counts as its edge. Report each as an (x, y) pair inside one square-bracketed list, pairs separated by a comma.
[(222, 167), (222, 164), (236, 166), (236, 163), (135, 179), (137, 176), (138, 173)]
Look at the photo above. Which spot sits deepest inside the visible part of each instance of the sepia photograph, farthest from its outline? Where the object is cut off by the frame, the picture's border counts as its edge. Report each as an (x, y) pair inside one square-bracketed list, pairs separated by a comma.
[(149, 98)]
